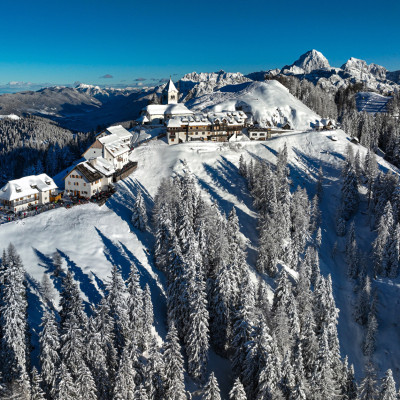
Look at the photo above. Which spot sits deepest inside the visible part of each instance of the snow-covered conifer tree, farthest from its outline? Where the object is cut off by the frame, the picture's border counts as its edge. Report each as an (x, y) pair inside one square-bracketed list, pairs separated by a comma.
[(174, 370), (362, 307), (242, 166), (135, 308), (350, 196), (139, 213), (367, 389), (36, 391), (49, 348), (388, 387), (65, 387), (116, 300), (13, 324), (237, 392), (211, 389), (370, 335)]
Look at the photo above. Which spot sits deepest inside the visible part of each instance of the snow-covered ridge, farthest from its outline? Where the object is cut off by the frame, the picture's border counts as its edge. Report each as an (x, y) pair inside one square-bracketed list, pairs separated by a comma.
[(270, 104), (194, 85), (308, 62), (315, 67)]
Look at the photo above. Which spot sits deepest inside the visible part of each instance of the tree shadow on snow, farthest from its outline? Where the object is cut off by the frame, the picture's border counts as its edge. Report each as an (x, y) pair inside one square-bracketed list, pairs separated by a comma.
[(47, 263), (157, 295), (34, 315), (85, 282)]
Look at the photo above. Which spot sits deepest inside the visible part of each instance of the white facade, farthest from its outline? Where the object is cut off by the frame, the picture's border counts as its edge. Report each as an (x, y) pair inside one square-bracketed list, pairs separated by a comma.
[(158, 113), (170, 93), (19, 194), (114, 148), (212, 126), (89, 178)]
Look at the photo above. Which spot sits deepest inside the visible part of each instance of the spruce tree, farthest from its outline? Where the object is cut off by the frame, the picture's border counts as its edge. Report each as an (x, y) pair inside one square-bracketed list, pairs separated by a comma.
[(174, 370), (211, 389), (139, 213), (388, 387), (237, 392), (36, 391), (13, 324), (49, 351)]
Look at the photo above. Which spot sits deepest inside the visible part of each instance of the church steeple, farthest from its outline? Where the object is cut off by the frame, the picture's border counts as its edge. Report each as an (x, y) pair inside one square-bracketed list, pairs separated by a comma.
[(170, 93)]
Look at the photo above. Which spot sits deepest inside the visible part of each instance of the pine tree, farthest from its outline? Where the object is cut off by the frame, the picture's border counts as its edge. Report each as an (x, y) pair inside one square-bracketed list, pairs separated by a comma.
[(174, 379), (13, 323), (148, 317), (49, 348), (370, 335), (211, 389), (135, 308), (36, 391), (362, 307), (65, 388), (350, 196), (352, 253), (139, 214), (367, 389), (86, 387), (388, 387), (47, 289), (116, 300), (242, 166), (155, 373), (125, 380), (237, 392)]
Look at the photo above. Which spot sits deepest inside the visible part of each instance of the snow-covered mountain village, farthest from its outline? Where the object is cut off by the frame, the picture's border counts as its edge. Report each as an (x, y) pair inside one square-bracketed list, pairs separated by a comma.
[(218, 236)]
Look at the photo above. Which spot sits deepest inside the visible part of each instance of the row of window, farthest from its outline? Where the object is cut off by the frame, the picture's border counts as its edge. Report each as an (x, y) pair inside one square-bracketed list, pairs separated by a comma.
[(84, 184), (75, 176)]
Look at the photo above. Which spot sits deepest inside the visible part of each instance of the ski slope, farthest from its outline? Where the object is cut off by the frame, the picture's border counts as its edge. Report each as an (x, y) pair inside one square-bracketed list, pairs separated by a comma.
[(92, 238), (371, 102)]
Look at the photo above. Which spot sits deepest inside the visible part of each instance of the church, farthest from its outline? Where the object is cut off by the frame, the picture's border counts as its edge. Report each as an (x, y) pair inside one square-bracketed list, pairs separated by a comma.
[(158, 114)]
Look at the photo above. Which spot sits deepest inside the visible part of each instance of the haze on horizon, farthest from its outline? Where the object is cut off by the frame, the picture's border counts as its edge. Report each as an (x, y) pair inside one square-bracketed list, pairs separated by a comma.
[(131, 43)]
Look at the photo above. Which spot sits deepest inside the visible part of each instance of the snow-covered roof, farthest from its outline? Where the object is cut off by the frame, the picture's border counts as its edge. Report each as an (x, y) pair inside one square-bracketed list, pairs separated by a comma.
[(120, 131), (114, 144), (174, 123), (170, 109), (102, 166), (27, 186), (170, 87)]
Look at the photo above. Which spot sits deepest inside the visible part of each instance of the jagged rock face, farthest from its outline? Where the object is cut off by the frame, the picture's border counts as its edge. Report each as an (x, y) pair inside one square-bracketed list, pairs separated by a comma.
[(357, 67), (314, 67), (194, 85), (308, 62)]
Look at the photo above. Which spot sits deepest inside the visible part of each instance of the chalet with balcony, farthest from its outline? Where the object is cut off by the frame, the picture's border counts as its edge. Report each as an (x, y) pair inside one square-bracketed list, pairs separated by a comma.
[(30, 191), (212, 126), (89, 177)]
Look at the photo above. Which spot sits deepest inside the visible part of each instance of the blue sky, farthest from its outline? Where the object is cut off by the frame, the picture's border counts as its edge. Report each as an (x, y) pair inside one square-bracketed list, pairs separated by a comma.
[(68, 41)]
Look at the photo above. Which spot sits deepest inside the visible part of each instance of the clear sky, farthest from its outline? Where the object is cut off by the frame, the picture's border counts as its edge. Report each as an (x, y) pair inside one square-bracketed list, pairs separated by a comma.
[(118, 42)]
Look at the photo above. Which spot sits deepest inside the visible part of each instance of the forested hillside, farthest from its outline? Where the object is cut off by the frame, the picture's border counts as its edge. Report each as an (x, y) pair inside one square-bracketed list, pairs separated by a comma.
[(252, 287), (33, 145)]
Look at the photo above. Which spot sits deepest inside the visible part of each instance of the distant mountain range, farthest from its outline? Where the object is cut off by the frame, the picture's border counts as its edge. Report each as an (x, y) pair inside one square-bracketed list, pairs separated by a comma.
[(314, 67), (85, 107)]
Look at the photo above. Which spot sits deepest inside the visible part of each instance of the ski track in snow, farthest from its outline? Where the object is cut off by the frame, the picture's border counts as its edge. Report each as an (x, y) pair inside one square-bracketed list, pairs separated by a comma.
[(92, 238)]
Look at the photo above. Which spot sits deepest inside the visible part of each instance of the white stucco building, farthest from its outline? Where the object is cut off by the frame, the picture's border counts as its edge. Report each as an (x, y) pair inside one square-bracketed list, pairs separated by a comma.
[(212, 126), (89, 177), (17, 195), (157, 114), (113, 148)]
